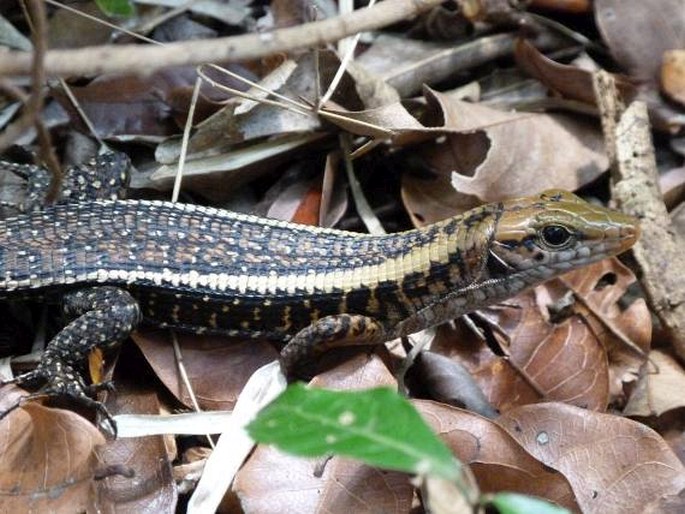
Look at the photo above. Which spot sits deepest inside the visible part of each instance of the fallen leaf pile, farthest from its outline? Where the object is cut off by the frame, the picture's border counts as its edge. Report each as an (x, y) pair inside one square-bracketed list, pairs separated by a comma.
[(568, 392)]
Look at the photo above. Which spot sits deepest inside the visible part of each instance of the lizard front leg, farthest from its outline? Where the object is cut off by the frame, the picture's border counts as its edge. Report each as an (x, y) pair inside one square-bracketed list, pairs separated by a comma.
[(105, 316), (329, 332)]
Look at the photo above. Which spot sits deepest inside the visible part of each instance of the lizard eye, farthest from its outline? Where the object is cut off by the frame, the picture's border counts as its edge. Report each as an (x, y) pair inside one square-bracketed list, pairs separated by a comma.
[(555, 236)]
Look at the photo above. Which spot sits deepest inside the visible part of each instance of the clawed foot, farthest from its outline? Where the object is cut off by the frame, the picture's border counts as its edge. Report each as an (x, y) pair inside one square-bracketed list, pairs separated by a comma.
[(61, 382)]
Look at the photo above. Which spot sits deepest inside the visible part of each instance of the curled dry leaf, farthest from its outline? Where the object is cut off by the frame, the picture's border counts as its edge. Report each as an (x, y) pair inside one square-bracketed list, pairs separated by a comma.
[(614, 465), (47, 458), (492, 160), (518, 154), (496, 459), (570, 81), (659, 388), (217, 367), (486, 156)]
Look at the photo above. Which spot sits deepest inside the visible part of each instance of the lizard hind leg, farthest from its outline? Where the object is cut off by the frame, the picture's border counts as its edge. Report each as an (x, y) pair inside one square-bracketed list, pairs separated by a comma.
[(105, 316), (329, 332)]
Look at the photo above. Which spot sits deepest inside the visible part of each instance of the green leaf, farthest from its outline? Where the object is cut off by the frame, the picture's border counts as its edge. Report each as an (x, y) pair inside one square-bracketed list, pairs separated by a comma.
[(376, 426), (512, 503), (116, 7)]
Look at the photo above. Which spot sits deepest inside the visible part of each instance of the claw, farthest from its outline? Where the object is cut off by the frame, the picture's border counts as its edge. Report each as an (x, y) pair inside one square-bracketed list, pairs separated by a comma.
[(107, 385), (62, 381)]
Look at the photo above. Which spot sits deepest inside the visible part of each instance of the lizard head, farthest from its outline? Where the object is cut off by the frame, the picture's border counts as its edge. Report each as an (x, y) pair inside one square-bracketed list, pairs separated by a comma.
[(554, 232)]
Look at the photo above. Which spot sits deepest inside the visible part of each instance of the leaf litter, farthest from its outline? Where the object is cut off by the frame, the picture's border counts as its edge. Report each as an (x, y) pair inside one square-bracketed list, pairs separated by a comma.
[(438, 123)]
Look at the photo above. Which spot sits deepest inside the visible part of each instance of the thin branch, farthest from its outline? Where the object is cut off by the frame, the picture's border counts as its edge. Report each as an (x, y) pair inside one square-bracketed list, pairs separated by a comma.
[(146, 59), (34, 102), (34, 106)]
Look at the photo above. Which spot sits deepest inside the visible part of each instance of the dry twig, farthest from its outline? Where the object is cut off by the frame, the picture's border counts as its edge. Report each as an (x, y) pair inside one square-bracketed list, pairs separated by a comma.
[(148, 58), (659, 250)]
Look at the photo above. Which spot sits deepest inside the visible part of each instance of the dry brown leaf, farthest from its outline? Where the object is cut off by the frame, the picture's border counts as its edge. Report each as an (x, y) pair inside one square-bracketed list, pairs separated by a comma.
[(576, 360), (503, 386), (673, 75), (659, 388), (392, 120), (601, 286), (246, 120), (271, 481), (638, 32), (47, 458), (150, 487), (497, 460), (361, 371), (149, 106), (69, 31), (486, 155), (217, 367), (562, 362), (430, 197), (613, 464), (519, 153), (303, 82), (570, 81)]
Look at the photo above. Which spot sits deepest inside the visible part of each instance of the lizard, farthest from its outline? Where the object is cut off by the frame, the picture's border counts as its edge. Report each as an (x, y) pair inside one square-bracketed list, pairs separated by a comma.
[(118, 263)]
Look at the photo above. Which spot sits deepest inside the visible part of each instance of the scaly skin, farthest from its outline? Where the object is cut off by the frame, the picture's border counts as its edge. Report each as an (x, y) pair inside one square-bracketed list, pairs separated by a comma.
[(206, 270)]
